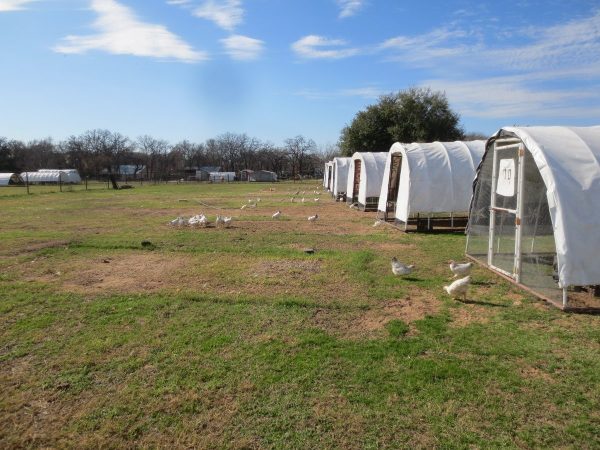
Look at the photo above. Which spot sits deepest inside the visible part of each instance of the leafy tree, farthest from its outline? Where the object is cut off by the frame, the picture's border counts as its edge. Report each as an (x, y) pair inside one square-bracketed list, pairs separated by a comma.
[(414, 115)]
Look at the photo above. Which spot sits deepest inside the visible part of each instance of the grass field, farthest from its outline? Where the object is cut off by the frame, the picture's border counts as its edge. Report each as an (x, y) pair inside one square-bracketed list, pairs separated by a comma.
[(235, 338)]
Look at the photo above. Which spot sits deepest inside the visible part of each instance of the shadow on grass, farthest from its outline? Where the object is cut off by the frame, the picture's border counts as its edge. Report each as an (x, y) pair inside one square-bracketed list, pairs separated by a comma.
[(482, 303)]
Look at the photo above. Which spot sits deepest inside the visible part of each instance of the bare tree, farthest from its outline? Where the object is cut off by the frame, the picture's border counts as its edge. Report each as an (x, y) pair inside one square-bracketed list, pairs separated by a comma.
[(298, 148)]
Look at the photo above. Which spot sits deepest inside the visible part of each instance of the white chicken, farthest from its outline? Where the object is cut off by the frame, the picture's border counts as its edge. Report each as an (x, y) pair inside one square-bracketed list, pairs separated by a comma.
[(459, 269), (378, 222), (276, 215), (202, 220), (354, 206), (316, 200), (177, 221), (258, 199), (218, 220), (243, 207), (293, 200), (227, 221), (313, 218), (194, 220), (459, 288), (399, 268), (303, 200)]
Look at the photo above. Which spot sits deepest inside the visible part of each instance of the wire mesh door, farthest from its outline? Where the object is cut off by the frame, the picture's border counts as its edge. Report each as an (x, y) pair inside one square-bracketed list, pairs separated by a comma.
[(393, 184), (356, 185), (504, 240)]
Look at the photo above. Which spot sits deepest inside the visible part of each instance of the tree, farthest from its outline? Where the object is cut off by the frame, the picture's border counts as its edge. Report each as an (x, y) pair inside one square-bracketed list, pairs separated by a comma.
[(298, 148), (414, 115)]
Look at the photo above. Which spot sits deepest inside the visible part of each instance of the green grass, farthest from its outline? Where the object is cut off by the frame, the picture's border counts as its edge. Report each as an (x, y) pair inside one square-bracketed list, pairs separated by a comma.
[(237, 339)]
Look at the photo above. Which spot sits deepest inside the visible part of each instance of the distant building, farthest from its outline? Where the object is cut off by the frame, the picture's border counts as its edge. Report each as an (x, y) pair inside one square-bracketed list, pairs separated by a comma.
[(10, 179), (258, 175), (203, 173), (52, 176)]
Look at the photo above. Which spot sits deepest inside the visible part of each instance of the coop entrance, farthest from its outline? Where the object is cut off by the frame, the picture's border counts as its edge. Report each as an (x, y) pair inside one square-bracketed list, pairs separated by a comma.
[(393, 186), (356, 184)]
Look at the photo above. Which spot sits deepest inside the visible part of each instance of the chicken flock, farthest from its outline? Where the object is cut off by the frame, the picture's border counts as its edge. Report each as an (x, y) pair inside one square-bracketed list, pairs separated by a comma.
[(458, 289)]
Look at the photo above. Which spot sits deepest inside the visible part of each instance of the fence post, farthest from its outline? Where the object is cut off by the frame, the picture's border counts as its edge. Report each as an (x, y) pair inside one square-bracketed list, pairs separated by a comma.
[(86, 181), (27, 181), (60, 181)]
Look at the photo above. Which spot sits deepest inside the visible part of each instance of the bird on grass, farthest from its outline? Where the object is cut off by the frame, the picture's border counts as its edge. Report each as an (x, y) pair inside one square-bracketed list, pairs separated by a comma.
[(194, 220), (399, 268), (459, 288), (460, 269), (354, 206), (218, 220), (179, 221), (243, 207), (303, 200), (227, 221), (293, 200), (276, 214), (313, 218), (378, 222), (316, 200), (258, 199)]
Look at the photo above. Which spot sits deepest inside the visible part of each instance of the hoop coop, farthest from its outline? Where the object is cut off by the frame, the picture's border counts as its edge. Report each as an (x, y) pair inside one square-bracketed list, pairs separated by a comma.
[(429, 185), (364, 179), (535, 212), (339, 176)]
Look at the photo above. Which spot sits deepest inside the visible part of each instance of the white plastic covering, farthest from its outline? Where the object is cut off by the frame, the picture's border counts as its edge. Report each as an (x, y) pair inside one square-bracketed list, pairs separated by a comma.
[(435, 177), (371, 175), (52, 176), (568, 159), (326, 174), (340, 175), (10, 178), (221, 177)]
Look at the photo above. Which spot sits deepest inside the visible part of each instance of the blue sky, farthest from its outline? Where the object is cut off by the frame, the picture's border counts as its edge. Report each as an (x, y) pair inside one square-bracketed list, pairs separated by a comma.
[(273, 69)]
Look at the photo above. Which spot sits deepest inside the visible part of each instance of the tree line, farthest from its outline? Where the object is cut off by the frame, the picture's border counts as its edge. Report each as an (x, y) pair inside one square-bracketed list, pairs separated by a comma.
[(98, 152)]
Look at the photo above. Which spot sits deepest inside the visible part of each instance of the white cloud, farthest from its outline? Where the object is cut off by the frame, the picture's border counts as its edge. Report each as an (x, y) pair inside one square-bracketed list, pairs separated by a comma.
[(516, 96), (226, 13), (14, 5), (546, 72), (349, 7), (313, 46), (243, 48), (178, 2), (121, 32)]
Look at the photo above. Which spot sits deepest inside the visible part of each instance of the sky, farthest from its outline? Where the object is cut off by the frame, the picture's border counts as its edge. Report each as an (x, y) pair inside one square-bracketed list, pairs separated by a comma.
[(274, 69)]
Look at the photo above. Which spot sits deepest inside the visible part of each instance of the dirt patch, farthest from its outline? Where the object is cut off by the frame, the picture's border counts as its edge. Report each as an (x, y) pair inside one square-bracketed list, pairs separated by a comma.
[(285, 267), (137, 272), (37, 246), (468, 314), (531, 372), (372, 321)]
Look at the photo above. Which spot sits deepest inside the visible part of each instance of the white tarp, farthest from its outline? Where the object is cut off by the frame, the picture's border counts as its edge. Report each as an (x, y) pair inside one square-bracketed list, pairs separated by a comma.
[(568, 159), (435, 177), (371, 175), (340, 175), (52, 176), (10, 178), (327, 175), (221, 177)]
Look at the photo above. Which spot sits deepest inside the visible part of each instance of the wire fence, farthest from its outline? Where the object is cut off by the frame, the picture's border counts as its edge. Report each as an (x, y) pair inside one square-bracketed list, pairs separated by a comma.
[(108, 182)]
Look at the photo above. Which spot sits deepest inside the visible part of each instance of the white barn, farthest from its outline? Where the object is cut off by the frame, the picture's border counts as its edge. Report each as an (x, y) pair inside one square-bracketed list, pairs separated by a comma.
[(429, 184), (535, 212), (365, 175)]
